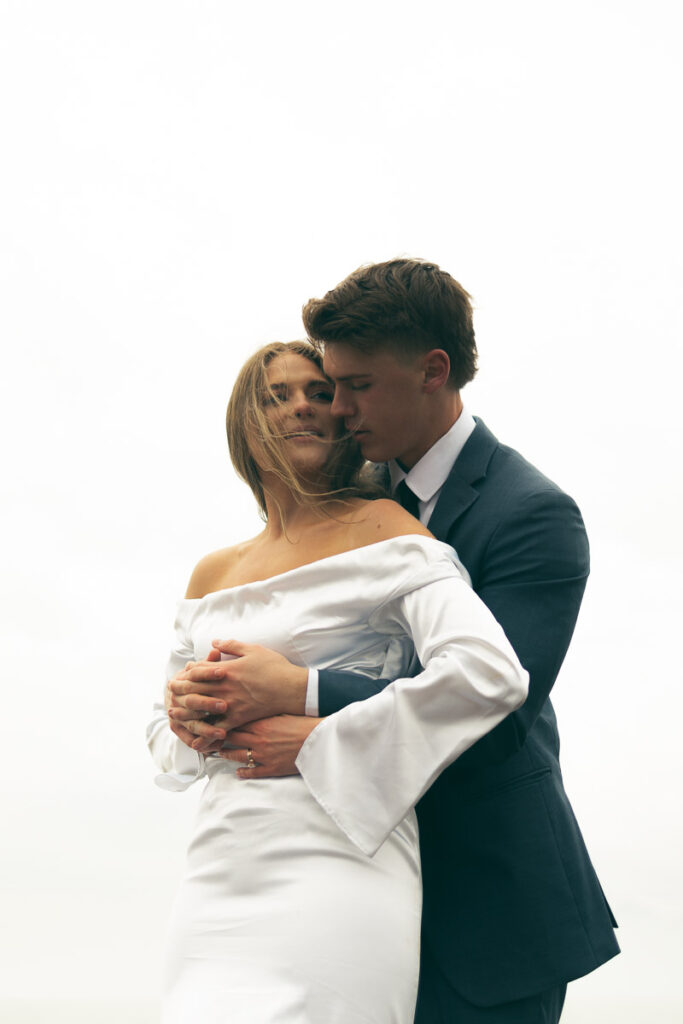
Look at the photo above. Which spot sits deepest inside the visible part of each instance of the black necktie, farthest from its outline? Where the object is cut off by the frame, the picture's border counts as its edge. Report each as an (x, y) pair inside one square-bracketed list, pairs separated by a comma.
[(408, 499)]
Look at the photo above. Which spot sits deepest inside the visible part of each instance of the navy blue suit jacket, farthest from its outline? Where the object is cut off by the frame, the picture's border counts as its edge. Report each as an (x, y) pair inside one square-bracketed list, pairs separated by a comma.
[(512, 904)]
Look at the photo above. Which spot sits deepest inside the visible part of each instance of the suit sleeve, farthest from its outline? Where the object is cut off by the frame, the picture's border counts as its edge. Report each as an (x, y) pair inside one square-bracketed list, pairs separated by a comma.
[(337, 689), (533, 576), (370, 763)]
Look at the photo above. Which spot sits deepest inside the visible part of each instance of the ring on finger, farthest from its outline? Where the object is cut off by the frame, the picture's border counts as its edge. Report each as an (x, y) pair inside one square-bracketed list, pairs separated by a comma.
[(251, 763)]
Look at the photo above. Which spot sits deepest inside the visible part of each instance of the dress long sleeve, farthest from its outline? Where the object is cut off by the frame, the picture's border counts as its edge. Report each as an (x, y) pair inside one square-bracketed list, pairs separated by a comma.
[(369, 763), (179, 765)]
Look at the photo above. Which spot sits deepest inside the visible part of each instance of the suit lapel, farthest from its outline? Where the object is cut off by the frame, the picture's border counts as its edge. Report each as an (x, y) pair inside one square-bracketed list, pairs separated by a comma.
[(460, 490)]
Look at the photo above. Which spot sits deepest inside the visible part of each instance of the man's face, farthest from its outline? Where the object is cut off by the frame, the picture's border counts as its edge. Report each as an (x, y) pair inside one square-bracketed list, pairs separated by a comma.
[(381, 398)]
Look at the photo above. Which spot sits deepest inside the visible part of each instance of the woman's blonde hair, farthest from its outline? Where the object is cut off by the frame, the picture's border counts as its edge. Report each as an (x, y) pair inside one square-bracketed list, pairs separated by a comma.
[(248, 426)]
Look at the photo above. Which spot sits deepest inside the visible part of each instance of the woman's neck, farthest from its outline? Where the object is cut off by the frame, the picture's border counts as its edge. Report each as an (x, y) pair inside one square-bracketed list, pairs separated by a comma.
[(287, 516)]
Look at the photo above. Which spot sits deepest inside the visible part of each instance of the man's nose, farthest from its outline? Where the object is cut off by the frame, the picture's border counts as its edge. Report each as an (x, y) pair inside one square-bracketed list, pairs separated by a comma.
[(341, 406)]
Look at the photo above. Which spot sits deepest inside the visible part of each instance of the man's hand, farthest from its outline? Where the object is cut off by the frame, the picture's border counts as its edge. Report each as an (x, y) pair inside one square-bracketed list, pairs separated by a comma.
[(185, 723), (274, 744), (255, 683)]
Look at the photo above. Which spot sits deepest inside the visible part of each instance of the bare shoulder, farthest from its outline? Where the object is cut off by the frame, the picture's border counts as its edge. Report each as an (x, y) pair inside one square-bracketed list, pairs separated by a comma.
[(210, 570), (383, 519)]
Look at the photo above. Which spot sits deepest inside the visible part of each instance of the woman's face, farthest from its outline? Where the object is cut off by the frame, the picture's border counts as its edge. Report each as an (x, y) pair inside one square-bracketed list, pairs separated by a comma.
[(297, 406)]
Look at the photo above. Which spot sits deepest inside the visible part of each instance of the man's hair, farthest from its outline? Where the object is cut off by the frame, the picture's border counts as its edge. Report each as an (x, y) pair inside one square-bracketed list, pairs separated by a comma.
[(405, 306)]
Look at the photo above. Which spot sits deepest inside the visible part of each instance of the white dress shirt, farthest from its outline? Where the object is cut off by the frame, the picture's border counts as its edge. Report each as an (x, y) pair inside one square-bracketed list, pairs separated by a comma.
[(428, 476), (425, 479)]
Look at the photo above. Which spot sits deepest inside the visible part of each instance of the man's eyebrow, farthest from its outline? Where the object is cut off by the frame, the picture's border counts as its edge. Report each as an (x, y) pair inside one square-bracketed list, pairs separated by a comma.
[(352, 376)]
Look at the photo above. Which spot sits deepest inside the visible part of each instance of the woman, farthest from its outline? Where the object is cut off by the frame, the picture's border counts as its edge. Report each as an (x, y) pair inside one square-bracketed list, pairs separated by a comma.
[(280, 917)]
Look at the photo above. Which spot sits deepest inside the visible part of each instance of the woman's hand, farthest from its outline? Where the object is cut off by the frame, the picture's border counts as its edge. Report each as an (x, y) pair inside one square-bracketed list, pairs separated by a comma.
[(273, 744), (195, 715), (253, 683)]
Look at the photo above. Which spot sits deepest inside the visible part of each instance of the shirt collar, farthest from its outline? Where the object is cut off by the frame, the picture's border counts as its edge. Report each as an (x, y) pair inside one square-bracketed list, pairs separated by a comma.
[(429, 474)]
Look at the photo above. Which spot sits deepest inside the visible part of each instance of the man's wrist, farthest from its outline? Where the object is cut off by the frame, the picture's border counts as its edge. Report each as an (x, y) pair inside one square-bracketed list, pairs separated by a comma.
[(295, 690)]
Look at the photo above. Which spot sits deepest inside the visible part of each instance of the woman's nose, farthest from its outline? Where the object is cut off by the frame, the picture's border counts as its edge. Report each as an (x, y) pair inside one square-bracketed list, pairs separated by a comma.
[(301, 404)]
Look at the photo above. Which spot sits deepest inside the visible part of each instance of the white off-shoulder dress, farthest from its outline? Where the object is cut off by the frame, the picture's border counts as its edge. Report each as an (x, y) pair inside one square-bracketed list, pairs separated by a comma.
[(301, 898)]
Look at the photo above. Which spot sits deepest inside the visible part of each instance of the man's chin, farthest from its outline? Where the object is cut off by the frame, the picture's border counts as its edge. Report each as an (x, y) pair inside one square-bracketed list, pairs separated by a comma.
[(372, 452)]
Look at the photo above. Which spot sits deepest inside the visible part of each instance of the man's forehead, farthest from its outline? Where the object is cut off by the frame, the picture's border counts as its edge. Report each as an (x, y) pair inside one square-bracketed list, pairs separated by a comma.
[(344, 362)]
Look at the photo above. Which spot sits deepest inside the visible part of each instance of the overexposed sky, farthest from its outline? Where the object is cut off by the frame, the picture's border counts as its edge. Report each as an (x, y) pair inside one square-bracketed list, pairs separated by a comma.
[(177, 179)]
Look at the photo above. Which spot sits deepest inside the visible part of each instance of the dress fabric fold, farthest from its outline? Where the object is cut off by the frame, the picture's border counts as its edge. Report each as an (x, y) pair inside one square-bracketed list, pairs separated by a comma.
[(295, 905)]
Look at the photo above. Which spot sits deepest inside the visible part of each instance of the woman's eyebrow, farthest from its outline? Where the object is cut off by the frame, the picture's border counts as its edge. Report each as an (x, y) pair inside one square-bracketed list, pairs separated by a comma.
[(315, 383)]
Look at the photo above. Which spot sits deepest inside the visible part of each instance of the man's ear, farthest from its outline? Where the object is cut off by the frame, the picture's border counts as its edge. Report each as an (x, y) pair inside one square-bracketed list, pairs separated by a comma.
[(436, 367)]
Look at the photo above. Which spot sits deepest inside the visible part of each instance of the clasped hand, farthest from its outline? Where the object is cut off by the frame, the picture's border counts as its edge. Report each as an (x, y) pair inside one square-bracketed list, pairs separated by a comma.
[(214, 702)]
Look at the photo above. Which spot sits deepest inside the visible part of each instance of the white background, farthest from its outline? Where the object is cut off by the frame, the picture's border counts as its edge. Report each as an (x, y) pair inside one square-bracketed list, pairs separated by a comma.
[(176, 179)]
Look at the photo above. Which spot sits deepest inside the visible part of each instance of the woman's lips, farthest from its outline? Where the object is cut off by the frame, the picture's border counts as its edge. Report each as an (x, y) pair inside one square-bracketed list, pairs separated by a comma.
[(302, 435)]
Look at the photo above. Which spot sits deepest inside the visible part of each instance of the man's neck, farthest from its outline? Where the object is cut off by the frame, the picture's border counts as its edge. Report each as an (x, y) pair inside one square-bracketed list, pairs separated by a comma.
[(444, 413)]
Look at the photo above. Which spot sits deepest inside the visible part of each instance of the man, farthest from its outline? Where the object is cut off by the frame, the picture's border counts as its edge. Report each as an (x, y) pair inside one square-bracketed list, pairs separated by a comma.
[(513, 909)]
